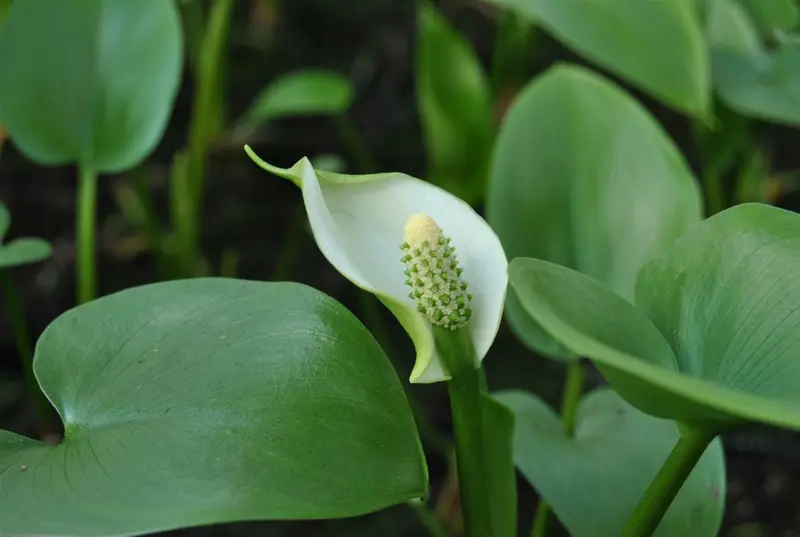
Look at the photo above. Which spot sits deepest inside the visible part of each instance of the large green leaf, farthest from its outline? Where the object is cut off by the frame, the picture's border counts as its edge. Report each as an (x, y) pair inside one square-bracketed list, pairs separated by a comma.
[(584, 177), (210, 400), (307, 92), (656, 45), (713, 341), (771, 15), (20, 251), (455, 106), (750, 79), (593, 480), (93, 80), (498, 433)]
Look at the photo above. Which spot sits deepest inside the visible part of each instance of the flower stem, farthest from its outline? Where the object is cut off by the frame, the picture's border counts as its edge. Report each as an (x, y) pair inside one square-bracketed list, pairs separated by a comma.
[(573, 388), (44, 412), (87, 218), (464, 389), (668, 482)]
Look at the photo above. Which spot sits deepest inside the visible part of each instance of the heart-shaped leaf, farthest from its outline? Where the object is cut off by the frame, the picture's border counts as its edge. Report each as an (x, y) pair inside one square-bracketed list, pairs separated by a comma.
[(19, 251), (593, 480), (308, 92), (657, 46), (210, 400), (627, 197), (751, 80), (94, 80), (714, 340), (455, 107)]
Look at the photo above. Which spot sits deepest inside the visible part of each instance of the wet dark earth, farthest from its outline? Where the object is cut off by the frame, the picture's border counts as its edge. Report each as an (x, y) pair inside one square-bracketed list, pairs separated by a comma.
[(251, 213)]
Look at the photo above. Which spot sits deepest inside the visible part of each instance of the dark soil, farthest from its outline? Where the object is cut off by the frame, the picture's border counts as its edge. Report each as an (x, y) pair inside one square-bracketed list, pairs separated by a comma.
[(249, 212)]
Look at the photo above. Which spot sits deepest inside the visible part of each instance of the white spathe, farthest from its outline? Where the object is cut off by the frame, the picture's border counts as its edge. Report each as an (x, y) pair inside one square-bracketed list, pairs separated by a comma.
[(358, 224)]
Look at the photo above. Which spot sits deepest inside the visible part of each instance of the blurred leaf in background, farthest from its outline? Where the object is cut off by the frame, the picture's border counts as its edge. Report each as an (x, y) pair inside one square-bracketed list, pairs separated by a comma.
[(455, 106), (751, 79), (657, 46), (94, 81), (584, 177), (299, 93)]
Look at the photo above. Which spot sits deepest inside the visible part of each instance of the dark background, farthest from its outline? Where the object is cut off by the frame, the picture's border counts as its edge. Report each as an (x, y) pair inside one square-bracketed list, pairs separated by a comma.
[(370, 41)]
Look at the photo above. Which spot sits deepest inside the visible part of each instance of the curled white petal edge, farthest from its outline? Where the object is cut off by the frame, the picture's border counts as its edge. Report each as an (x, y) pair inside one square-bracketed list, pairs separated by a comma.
[(427, 367)]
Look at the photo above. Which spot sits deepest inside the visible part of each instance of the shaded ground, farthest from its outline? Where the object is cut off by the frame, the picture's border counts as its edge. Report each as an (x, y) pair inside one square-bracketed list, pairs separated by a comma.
[(250, 212)]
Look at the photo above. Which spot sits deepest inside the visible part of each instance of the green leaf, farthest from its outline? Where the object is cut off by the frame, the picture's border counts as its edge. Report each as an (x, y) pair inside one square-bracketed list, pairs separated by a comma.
[(712, 341), (658, 46), (301, 93), (771, 15), (210, 400), (19, 251), (751, 80), (23, 251), (584, 177), (594, 480), (498, 432), (454, 99), (94, 80)]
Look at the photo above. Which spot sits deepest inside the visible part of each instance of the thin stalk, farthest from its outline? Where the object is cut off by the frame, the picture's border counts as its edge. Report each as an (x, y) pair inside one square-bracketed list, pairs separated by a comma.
[(464, 388), (87, 218), (668, 482), (428, 519), (573, 388), (355, 145), (204, 119), (48, 426)]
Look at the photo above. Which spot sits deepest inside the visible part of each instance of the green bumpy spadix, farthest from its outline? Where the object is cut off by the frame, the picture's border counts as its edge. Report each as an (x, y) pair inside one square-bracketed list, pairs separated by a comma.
[(434, 275)]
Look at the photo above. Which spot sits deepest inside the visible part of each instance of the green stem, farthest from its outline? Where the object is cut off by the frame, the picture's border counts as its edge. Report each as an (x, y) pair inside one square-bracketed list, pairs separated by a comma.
[(428, 519), (668, 482), (204, 118), (573, 388), (44, 412), (464, 388), (362, 158), (87, 216)]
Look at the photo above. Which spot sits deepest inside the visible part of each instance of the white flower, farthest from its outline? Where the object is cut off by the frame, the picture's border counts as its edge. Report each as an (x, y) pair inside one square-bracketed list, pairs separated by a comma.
[(358, 223)]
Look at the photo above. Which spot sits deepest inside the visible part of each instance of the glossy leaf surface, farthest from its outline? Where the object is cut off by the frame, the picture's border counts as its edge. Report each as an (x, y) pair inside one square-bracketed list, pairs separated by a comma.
[(714, 340), (205, 401), (584, 177)]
